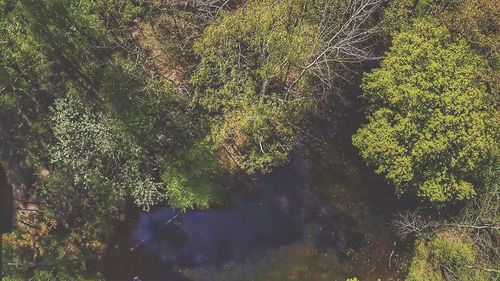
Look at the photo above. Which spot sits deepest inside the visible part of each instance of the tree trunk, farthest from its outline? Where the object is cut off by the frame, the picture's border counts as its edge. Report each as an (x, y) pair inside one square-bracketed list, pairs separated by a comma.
[(6, 203)]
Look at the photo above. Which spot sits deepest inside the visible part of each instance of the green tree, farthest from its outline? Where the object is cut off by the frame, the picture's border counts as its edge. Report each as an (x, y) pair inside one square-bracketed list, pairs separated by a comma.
[(95, 126), (193, 178), (246, 57), (446, 255), (476, 20), (99, 154), (267, 65), (432, 125)]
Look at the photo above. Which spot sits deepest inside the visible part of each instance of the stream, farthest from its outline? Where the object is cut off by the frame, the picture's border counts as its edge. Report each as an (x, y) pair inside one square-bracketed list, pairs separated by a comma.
[(327, 221)]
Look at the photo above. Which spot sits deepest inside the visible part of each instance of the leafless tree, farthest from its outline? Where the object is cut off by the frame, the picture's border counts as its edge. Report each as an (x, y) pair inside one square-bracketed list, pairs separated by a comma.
[(412, 224), (344, 42), (207, 8), (480, 223)]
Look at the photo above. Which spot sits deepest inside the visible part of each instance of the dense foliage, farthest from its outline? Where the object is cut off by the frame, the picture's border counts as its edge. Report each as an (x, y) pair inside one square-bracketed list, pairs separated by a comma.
[(432, 124), (445, 250), (260, 73)]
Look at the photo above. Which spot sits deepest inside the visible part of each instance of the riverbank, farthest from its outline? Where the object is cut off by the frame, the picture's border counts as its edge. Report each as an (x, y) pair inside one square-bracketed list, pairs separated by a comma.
[(324, 216)]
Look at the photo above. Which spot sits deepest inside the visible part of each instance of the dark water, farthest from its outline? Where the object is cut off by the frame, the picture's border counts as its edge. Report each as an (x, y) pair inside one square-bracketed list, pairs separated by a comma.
[(323, 217), (171, 240), (250, 240), (215, 237)]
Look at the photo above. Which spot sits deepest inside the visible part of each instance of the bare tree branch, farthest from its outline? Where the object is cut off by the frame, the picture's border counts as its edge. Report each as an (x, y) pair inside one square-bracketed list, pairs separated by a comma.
[(347, 43)]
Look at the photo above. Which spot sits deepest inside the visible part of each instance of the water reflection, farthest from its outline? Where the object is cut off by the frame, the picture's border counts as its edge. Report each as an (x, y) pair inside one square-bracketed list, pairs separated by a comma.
[(320, 222), (208, 238), (284, 233), (216, 237)]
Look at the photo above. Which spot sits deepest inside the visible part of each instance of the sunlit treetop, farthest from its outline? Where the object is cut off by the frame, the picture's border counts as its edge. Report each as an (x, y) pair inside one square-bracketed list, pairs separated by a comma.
[(432, 123)]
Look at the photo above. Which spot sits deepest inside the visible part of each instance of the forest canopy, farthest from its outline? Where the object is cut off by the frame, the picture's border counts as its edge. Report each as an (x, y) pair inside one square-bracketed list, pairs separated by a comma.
[(107, 106)]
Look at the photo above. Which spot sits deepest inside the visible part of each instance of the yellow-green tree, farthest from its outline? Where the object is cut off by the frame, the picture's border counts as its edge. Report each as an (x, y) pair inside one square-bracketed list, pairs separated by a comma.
[(431, 120)]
